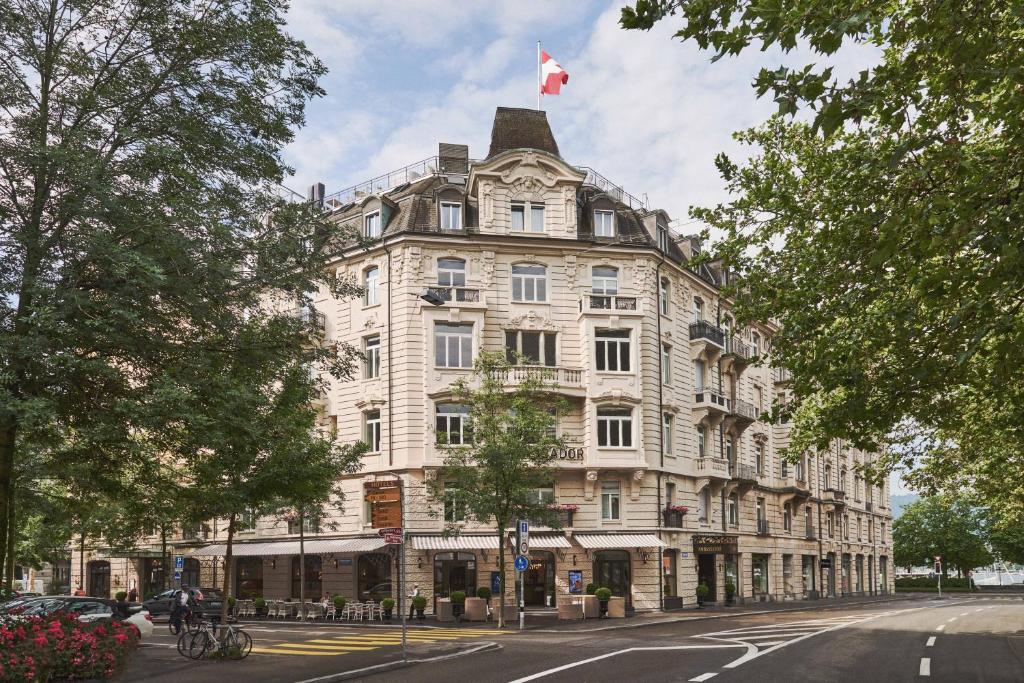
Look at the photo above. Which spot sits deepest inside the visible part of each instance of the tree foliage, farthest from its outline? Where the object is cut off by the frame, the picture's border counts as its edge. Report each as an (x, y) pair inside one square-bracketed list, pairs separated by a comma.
[(140, 144), (940, 526), (882, 227), (493, 479)]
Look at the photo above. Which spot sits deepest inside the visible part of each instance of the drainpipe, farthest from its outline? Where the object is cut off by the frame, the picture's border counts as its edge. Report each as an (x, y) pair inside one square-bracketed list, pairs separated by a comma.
[(391, 440), (661, 562), (661, 427)]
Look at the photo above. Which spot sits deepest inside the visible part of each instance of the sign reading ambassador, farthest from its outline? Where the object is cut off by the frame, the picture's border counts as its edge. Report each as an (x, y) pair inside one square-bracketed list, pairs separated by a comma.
[(715, 543)]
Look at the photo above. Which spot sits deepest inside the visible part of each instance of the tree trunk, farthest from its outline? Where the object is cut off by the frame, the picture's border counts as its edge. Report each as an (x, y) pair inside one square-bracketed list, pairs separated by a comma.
[(81, 560), (302, 563), (501, 576), (163, 558), (224, 606), (12, 537), (8, 431)]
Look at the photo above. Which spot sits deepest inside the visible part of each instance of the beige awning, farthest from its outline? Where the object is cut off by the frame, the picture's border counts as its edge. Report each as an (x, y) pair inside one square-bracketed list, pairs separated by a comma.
[(548, 541), (324, 546), (599, 541), (455, 542)]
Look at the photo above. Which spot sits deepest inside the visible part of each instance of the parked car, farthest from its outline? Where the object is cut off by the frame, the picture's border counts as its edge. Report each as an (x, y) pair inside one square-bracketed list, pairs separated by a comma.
[(208, 601), (87, 609)]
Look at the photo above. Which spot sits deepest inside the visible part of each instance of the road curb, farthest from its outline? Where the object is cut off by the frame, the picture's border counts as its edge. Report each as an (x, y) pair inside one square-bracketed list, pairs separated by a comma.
[(391, 666)]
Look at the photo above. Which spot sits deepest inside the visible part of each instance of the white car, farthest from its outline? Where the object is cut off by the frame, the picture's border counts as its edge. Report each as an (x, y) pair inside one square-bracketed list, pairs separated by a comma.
[(142, 621)]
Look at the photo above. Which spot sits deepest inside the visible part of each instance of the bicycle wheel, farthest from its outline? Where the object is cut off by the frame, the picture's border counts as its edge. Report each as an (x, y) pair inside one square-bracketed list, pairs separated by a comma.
[(175, 629), (193, 625), (200, 644), (183, 641), (244, 641)]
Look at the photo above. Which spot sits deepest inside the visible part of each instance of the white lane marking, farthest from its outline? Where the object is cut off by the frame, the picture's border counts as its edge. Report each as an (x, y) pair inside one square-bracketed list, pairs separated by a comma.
[(926, 667), (774, 642), (573, 665), (940, 627), (704, 677), (951, 620), (931, 641), (964, 614), (780, 634), (980, 609)]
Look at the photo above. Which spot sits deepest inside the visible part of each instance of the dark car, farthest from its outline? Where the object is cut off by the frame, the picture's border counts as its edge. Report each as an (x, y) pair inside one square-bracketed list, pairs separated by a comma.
[(207, 601), (87, 609)]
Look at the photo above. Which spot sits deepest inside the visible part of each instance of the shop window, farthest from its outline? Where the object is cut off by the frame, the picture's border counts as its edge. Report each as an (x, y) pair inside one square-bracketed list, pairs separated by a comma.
[(248, 577), (759, 574), (190, 573), (373, 572), (669, 563), (314, 586)]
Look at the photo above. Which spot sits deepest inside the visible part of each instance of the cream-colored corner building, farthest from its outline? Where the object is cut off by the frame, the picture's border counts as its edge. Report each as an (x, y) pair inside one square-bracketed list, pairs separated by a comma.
[(522, 250)]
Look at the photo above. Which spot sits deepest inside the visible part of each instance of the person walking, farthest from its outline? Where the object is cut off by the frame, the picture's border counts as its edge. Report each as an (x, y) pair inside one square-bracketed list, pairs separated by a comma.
[(133, 594), (414, 594)]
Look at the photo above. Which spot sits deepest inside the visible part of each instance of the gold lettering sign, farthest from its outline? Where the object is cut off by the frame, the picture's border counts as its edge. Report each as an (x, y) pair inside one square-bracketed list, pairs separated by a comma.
[(708, 543)]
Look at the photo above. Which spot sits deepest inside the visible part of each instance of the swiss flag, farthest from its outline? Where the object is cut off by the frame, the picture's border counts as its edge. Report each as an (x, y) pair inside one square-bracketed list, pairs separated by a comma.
[(552, 75)]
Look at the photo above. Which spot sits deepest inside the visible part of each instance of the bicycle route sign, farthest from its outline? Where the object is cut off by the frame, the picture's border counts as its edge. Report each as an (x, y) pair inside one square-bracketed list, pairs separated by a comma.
[(521, 563)]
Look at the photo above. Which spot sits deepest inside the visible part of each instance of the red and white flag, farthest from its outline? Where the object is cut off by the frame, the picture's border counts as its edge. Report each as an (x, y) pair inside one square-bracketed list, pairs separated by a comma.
[(552, 75)]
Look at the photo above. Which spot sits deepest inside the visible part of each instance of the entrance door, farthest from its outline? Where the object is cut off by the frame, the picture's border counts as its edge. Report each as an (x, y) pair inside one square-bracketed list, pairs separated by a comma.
[(832, 575), (539, 580), (454, 572), (99, 579), (883, 573), (611, 570), (706, 574)]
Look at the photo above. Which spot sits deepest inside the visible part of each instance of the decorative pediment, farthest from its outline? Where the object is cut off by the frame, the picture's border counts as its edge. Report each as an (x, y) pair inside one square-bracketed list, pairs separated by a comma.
[(370, 402), (616, 397), (531, 321)]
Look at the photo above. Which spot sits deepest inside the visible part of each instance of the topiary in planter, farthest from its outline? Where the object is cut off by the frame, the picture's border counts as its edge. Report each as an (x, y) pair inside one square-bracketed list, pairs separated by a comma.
[(603, 596), (121, 596), (419, 603), (702, 593), (339, 601), (483, 592), (730, 591), (388, 605), (458, 599), (591, 588)]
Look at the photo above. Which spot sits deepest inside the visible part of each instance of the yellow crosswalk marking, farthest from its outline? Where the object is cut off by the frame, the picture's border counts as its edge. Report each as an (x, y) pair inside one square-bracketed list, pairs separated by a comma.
[(269, 651), (308, 645), (367, 641)]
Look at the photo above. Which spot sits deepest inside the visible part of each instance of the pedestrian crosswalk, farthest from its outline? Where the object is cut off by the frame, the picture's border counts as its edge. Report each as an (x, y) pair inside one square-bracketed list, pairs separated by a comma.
[(363, 641), (780, 634)]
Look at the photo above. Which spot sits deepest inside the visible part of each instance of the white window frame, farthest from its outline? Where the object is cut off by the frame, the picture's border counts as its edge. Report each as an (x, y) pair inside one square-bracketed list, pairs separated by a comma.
[(543, 496), (662, 237), (608, 351), (666, 433), (604, 284), (702, 441), (617, 425), (372, 295), (699, 375), (759, 458), (698, 309), (461, 336), (535, 283), (448, 276), (542, 344), (455, 418), (604, 223), (371, 353), (371, 227), (529, 210), (371, 430), (454, 509), (448, 213), (734, 510), (663, 296), (611, 501), (666, 364), (787, 517)]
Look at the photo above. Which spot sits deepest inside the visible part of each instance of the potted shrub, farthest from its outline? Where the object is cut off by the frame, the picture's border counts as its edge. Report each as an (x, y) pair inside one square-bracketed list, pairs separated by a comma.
[(603, 595), (231, 604), (591, 588), (458, 599), (388, 605), (121, 596), (730, 591), (339, 602), (484, 593), (419, 603), (260, 605), (702, 593)]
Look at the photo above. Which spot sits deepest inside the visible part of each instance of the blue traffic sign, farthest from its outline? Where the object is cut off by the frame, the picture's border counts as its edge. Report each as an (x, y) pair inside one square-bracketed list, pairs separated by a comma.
[(177, 576), (524, 526), (521, 563), (179, 562)]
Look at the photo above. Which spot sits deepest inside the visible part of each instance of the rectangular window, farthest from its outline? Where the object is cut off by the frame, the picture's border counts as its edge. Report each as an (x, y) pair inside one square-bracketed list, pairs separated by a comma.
[(451, 272), (518, 217), (610, 500), (787, 518), (759, 458), (372, 431), (533, 348), (310, 525), (247, 521), (451, 216), (453, 345), (698, 310), (604, 280), (785, 468), (698, 375), (371, 225), (529, 283), (452, 424), (663, 238), (663, 290), (371, 356), (734, 510), (701, 441), (454, 505), (371, 278), (666, 434), (666, 364), (615, 427), (527, 217), (612, 350), (543, 496), (760, 510), (536, 218), (604, 224)]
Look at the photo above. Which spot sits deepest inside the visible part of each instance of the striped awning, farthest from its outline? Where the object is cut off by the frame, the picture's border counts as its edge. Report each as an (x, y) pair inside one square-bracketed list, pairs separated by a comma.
[(312, 547), (455, 542), (549, 541), (598, 541)]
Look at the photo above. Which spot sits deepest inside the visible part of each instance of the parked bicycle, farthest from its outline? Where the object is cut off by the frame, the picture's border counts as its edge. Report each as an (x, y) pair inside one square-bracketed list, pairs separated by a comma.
[(190, 621), (235, 644)]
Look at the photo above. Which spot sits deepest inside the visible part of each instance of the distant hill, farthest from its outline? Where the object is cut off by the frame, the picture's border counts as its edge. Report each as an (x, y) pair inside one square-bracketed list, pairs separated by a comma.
[(900, 502)]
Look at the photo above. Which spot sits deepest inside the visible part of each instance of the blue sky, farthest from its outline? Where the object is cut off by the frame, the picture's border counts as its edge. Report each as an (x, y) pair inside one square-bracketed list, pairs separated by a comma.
[(642, 109)]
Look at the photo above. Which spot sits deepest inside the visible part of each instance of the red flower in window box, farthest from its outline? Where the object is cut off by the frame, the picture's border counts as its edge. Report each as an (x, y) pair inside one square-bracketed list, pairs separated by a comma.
[(565, 507), (678, 508)]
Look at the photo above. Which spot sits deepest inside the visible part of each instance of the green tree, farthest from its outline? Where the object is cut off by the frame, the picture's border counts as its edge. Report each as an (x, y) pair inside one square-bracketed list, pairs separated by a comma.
[(882, 228), (940, 526), (1007, 542), (493, 474), (139, 145)]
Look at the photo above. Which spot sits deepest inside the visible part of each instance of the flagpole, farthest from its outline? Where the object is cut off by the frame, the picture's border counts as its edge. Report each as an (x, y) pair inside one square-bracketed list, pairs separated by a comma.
[(538, 76)]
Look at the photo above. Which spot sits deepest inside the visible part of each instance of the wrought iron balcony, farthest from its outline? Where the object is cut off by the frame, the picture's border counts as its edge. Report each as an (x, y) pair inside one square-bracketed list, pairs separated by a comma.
[(743, 472), (312, 319), (673, 518), (457, 294), (744, 410), (703, 330), (735, 347), (608, 302), (781, 375), (762, 527)]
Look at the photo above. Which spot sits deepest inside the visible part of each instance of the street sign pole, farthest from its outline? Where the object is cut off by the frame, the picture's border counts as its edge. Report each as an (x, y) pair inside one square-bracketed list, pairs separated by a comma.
[(938, 568), (523, 531)]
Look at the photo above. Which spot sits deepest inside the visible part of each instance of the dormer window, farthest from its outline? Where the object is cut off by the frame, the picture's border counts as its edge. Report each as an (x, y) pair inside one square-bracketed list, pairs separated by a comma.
[(371, 225), (451, 216), (662, 237), (527, 217), (604, 224)]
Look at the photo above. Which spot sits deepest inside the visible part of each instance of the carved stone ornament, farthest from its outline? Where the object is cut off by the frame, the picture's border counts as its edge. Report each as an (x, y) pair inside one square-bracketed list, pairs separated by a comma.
[(634, 484), (531, 321), (572, 272), (430, 474), (589, 483), (487, 269)]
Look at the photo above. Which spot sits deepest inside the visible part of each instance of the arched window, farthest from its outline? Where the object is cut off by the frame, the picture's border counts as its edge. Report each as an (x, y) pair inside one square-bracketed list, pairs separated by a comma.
[(314, 577), (371, 278), (373, 572), (529, 282)]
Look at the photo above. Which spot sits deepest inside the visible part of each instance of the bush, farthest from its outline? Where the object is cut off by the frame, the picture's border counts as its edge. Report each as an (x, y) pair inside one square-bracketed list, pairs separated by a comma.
[(232, 601), (388, 603), (60, 647), (730, 588), (121, 596), (259, 603), (603, 594), (458, 597), (932, 582), (703, 591), (419, 602), (591, 588), (339, 601), (483, 592)]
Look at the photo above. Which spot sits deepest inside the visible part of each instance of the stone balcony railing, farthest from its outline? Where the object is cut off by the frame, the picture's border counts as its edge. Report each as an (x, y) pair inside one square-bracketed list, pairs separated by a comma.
[(743, 409), (735, 347), (609, 302), (712, 467), (569, 378), (743, 472), (456, 294)]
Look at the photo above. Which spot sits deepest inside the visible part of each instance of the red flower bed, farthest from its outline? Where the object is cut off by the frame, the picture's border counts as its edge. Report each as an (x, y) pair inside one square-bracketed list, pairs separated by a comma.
[(60, 647)]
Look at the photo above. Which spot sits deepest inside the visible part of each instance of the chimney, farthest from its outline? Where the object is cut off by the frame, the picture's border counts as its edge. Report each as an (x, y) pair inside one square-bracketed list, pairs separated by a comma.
[(452, 158), (316, 194)]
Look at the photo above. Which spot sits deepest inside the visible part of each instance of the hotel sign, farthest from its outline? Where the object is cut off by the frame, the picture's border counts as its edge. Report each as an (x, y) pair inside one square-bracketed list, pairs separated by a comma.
[(713, 543), (573, 454), (385, 499)]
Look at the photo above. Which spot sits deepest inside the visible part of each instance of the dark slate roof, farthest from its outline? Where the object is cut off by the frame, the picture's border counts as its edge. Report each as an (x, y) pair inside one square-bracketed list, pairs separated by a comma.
[(521, 129)]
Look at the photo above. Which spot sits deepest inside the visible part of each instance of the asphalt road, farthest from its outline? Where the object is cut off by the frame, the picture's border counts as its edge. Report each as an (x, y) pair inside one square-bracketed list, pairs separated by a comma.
[(959, 639)]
